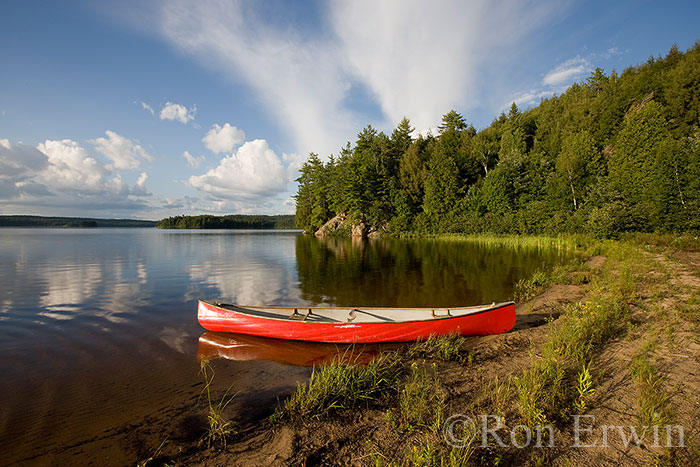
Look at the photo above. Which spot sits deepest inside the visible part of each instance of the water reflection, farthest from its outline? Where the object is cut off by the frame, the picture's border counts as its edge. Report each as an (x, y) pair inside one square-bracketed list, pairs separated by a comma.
[(412, 273), (240, 347)]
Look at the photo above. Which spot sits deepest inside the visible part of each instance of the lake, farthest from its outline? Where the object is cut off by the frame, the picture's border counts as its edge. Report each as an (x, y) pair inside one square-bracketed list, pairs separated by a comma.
[(99, 336)]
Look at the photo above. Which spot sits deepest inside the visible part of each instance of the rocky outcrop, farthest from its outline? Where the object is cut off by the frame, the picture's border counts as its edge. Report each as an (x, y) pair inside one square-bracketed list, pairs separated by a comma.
[(342, 226), (358, 230), (378, 231), (332, 227)]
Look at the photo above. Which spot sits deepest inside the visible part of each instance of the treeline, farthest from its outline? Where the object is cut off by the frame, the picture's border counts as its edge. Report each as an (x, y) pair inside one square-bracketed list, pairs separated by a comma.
[(612, 154), (41, 221), (234, 221)]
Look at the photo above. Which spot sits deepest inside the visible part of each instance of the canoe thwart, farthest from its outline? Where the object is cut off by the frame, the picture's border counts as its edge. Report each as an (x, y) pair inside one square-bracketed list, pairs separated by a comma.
[(299, 316), (437, 315)]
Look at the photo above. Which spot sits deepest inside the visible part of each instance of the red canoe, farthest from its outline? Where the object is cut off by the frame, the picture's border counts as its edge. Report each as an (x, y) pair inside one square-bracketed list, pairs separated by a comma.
[(356, 325)]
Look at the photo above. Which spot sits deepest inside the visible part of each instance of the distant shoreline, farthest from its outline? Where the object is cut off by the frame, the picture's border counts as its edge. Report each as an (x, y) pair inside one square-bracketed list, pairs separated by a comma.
[(70, 222), (230, 222)]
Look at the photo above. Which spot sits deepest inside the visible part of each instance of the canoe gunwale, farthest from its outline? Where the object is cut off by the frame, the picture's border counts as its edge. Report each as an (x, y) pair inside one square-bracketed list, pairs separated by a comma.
[(478, 309)]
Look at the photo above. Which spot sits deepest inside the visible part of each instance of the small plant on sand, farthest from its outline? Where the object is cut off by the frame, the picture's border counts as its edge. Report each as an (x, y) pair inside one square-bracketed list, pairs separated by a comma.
[(525, 289), (218, 429), (585, 388), (155, 455)]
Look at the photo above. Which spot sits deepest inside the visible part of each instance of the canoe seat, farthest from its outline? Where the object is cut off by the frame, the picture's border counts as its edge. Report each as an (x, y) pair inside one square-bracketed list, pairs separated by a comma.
[(351, 315)]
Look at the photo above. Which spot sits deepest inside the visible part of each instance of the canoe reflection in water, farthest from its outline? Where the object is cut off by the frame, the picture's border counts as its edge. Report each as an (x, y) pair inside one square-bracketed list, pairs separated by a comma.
[(241, 347)]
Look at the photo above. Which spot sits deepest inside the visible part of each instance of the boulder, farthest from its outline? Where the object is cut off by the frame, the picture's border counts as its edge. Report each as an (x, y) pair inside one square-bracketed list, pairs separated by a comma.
[(333, 225)]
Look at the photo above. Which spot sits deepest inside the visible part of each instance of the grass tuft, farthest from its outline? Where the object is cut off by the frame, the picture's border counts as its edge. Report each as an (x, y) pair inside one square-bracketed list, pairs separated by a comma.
[(218, 429), (421, 400), (653, 401), (342, 386), (446, 348)]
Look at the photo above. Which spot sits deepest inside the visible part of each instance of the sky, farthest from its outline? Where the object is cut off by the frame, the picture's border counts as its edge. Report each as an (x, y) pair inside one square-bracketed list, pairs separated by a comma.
[(132, 109)]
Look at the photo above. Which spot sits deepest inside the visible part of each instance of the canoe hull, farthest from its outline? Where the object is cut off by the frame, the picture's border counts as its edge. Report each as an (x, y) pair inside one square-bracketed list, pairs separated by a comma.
[(496, 320)]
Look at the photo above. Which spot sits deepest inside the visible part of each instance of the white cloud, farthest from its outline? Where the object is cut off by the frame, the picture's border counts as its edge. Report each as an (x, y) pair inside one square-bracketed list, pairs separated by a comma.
[(141, 182), (567, 72), (192, 161), (559, 78), (18, 165), (177, 112), (223, 139), (253, 171), (60, 177), (71, 168), (19, 160), (294, 161), (123, 152), (529, 98), (299, 81), (410, 59), (147, 108)]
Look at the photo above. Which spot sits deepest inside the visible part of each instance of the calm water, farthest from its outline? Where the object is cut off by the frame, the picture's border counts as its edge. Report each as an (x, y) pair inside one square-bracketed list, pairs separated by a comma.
[(98, 329)]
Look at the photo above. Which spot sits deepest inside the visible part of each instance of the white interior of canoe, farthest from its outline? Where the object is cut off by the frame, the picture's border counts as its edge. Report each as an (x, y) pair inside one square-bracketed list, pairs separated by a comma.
[(356, 315)]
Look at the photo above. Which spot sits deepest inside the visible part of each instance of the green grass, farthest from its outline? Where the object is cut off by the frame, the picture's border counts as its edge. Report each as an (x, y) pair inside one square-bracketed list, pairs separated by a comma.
[(653, 401), (560, 380), (427, 453), (569, 242), (691, 308), (218, 429), (342, 385), (421, 400), (526, 289), (446, 348)]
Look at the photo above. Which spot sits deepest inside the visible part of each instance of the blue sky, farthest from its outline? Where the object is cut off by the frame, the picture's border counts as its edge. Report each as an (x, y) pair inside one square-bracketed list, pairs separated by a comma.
[(150, 109)]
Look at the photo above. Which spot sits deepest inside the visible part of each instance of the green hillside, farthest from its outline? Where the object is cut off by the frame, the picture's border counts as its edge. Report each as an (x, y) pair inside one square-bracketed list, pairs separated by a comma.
[(618, 152)]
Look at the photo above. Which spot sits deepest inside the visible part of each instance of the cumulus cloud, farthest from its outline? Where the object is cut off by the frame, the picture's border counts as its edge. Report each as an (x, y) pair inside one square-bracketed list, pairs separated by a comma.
[(193, 161), (18, 165), (19, 160), (567, 72), (71, 168), (61, 175), (125, 154), (177, 112), (253, 171), (223, 139)]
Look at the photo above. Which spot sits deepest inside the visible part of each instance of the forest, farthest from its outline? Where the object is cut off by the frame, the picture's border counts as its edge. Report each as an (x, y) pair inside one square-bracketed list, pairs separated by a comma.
[(234, 221), (615, 153), (43, 221)]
